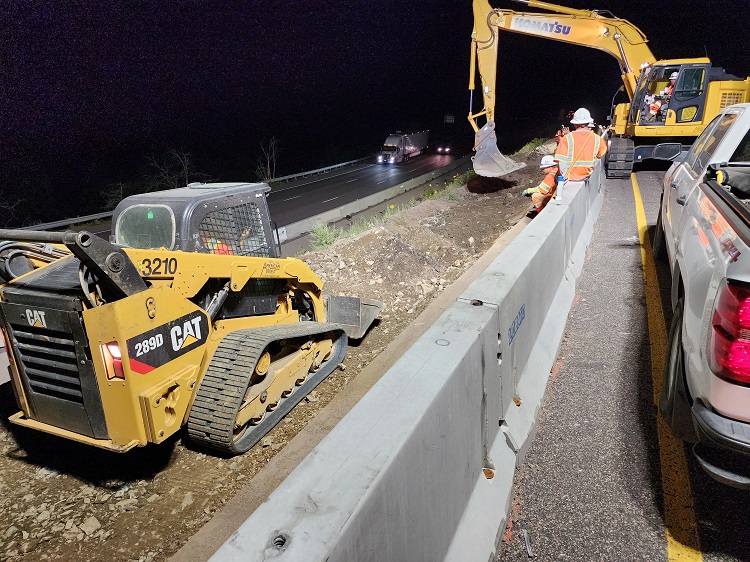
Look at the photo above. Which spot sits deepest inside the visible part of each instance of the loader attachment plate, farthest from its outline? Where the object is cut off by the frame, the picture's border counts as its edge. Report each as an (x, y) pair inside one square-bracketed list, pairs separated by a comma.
[(354, 314), (489, 162)]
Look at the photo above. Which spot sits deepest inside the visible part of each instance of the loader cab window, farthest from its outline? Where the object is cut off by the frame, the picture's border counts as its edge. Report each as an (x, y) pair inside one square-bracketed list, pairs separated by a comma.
[(236, 230), (148, 227)]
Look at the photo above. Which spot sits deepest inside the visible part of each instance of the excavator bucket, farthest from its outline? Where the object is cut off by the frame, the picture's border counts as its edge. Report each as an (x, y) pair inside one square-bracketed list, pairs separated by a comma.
[(353, 314), (488, 161)]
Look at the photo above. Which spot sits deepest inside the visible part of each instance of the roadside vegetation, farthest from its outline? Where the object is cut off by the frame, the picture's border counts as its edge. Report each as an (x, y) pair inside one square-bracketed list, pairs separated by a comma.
[(323, 235), (531, 145)]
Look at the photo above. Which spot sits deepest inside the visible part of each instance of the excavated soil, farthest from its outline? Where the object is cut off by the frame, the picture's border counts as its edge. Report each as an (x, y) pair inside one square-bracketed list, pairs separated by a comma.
[(64, 501)]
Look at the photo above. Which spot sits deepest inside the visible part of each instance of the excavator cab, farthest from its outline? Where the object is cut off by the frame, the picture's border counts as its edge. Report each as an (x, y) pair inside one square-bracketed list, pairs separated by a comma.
[(653, 103)]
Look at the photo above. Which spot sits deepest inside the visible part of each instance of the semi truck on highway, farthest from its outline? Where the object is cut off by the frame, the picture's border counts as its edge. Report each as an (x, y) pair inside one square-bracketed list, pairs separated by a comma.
[(703, 230), (659, 111), (399, 147)]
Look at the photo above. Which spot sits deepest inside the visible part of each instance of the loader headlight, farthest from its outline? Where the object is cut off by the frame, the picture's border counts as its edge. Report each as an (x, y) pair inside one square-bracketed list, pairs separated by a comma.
[(112, 357)]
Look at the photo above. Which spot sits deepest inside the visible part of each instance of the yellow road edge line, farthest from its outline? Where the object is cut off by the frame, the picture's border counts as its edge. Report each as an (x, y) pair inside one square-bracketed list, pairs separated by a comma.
[(683, 543)]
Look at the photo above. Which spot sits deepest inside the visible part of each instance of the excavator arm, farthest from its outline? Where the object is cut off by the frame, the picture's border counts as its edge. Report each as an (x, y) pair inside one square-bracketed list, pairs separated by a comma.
[(587, 28)]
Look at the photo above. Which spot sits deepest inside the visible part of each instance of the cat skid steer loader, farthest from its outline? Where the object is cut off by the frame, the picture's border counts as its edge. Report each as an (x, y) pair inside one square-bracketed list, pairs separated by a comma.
[(188, 317)]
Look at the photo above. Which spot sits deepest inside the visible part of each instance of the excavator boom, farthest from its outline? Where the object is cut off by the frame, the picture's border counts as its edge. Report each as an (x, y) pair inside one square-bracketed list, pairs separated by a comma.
[(587, 28)]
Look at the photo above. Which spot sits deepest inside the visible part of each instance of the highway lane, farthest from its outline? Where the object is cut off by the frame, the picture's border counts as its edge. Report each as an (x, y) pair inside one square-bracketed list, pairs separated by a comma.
[(604, 478), (314, 195), (306, 197)]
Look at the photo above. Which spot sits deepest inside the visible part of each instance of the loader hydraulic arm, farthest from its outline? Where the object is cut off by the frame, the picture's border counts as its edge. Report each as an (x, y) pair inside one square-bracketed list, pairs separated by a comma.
[(587, 28), (109, 263)]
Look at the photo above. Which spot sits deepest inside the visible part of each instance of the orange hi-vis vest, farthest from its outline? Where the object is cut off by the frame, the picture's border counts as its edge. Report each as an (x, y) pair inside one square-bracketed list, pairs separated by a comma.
[(548, 185), (579, 149)]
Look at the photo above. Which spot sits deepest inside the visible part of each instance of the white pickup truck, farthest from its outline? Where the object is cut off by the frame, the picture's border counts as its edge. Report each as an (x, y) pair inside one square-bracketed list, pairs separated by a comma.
[(704, 231)]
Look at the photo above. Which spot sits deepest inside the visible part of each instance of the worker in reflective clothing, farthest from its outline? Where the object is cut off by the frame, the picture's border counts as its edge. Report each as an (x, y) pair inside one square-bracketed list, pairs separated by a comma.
[(579, 149), (669, 90), (654, 107), (542, 193)]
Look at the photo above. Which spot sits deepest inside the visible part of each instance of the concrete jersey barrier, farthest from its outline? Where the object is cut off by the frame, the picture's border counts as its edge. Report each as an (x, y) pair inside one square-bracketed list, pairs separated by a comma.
[(421, 469)]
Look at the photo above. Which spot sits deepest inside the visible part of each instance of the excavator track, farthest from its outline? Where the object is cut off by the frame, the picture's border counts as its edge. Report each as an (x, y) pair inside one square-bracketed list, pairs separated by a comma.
[(211, 422)]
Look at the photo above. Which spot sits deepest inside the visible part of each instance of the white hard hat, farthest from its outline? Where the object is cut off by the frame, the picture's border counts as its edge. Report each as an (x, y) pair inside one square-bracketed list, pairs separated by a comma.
[(581, 116), (591, 122), (547, 161), (673, 76)]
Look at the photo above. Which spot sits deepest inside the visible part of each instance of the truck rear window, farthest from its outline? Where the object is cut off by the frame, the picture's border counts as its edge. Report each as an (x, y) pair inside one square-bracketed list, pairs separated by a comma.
[(742, 154), (705, 145), (148, 227)]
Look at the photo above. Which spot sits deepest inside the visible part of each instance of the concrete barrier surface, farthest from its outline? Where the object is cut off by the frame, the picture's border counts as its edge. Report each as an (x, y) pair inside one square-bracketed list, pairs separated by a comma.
[(421, 469)]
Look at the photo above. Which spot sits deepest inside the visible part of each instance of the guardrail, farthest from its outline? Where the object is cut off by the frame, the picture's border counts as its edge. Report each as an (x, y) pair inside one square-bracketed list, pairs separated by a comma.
[(69, 222), (294, 230), (422, 467), (108, 214)]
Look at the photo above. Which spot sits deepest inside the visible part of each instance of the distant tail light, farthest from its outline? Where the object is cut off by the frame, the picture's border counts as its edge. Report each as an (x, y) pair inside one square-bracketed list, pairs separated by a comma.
[(113, 361), (729, 337)]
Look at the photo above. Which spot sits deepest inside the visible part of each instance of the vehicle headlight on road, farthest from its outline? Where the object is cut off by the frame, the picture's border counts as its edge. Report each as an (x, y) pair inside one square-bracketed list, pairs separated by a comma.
[(392, 160), (380, 158)]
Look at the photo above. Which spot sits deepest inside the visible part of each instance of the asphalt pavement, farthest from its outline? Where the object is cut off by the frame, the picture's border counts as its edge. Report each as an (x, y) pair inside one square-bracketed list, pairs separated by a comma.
[(592, 484)]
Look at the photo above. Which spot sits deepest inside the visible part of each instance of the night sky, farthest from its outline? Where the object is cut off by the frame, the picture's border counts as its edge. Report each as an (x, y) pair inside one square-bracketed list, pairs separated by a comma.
[(92, 89)]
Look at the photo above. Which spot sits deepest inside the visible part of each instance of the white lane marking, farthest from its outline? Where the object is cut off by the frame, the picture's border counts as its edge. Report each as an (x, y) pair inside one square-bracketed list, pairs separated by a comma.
[(295, 197), (274, 191), (350, 181), (382, 181), (327, 200)]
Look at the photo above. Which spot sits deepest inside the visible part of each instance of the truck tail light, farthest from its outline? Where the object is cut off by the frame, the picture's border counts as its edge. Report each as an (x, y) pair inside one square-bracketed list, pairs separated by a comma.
[(729, 337), (113, 361)]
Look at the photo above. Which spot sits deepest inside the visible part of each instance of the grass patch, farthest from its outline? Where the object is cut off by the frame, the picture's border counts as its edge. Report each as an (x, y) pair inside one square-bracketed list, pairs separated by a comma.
[(531, 145), (324, 235)]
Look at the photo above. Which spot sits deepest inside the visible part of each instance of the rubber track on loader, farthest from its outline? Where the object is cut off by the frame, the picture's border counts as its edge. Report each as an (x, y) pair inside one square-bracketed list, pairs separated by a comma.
[(211, 420)]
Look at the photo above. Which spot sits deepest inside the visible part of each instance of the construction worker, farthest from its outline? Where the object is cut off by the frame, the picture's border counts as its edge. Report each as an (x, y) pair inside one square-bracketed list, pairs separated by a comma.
[(579, 149), (542, 193), (654, 104), (669, 90)]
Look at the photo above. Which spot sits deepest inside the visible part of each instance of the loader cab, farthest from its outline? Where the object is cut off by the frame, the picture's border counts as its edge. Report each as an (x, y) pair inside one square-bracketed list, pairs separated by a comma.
[(218, 218), (653, 105)]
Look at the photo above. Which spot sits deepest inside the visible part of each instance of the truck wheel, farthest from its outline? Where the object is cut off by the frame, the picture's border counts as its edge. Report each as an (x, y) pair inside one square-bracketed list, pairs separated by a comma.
[(674, 404), (659, 244)]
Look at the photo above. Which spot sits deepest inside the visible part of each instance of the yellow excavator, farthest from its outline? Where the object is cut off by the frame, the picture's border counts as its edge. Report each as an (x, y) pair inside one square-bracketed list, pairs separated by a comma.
[(658, 113), (188, 317)]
